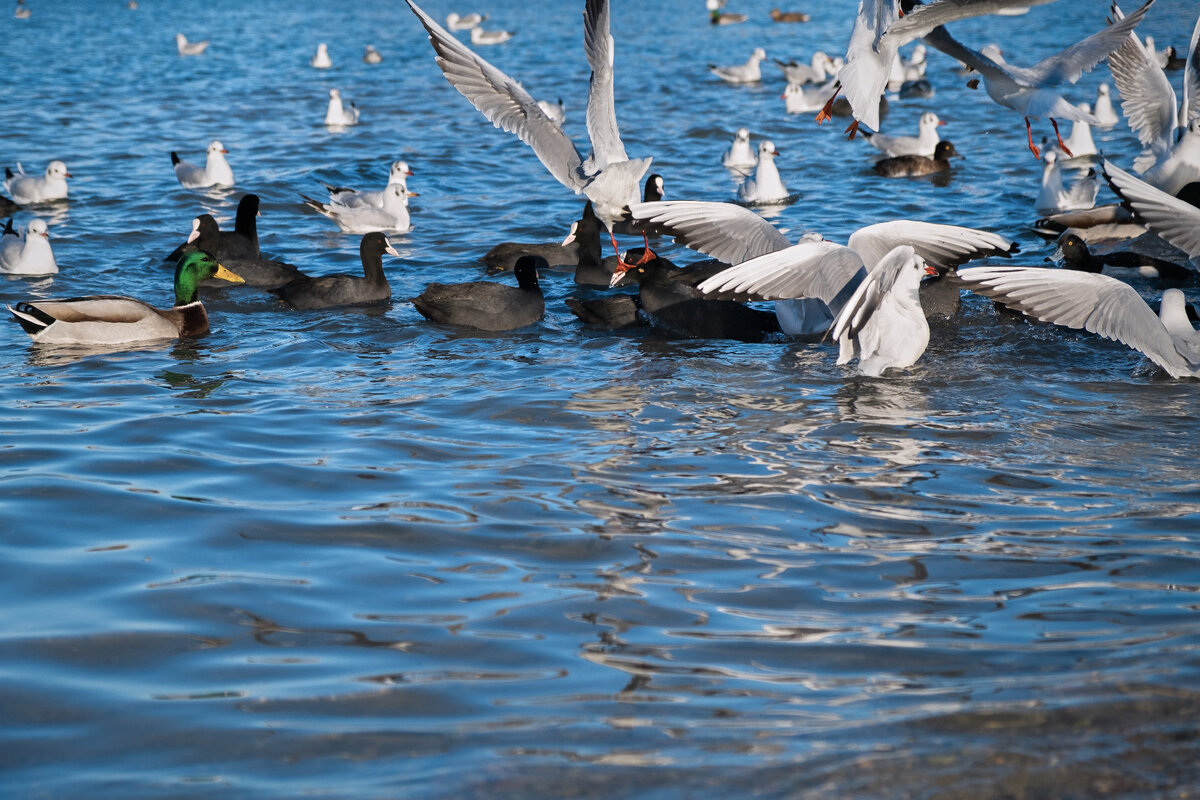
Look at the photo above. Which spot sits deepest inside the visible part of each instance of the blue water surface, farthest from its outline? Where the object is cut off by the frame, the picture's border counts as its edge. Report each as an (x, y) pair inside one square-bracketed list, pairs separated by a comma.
[(351, 553)]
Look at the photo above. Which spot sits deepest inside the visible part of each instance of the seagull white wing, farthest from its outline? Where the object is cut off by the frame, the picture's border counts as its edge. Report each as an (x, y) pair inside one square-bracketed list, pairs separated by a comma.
[(1171, 218), (601, 111), (1084, 301), (1147, 97), (868, 59), (866, 298), (724, 231), (817, 269), (924, 18), (943, 246), (505, 104), (1068, 65), (1191, 79)]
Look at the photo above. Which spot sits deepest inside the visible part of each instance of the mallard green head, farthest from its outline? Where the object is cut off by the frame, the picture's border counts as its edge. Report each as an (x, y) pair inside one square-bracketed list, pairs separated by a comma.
[(194, 268)]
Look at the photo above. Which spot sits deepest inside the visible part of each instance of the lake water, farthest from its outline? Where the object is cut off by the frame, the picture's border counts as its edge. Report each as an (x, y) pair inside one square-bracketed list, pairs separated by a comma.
[(354, 553)]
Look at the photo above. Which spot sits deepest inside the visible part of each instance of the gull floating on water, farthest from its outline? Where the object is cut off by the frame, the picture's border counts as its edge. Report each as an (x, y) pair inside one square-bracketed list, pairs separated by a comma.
[(480, 37), (28, 253), (1104, 110), (750, 72), (1031, 91), (1054, 198), (22, 11), (1099, 304), (740, 154), (608, 177), (818, 71), (26, 189), (215, 172), (392, 216), (463, 22), (187, 48), (372, 56), (922, 144), (1080, 142), (398, 173), (766, 187), (321, 59), (338, 114), (800, 99)]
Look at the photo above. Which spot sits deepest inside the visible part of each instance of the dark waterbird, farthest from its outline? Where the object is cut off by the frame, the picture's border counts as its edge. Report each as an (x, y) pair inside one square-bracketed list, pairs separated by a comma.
[(669, 295), (910, 166), (307, 292), (486, 305), (1075, 254), (238, 244)]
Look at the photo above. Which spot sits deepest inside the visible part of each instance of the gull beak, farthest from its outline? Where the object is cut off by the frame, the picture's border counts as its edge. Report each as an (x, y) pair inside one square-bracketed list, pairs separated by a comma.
[(931, 270), (941, 122)]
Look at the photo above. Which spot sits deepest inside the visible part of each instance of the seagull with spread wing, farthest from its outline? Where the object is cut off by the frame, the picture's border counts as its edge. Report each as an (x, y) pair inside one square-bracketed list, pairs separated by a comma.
[(608, 177), (1031, 91)]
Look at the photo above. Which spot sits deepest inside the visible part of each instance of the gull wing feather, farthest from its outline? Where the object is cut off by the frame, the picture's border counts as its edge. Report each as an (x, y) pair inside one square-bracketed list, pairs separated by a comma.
[(944, 246), (724, 231), (504, 103), (817, 269), (1147, 97), (1069, 64), (1081, 300), (924, 18), (607, 147), (1171, 218), (1191, 79), (866, 298)]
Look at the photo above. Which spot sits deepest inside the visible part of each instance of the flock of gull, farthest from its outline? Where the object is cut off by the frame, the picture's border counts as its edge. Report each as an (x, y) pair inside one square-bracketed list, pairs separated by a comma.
[(871, 295)]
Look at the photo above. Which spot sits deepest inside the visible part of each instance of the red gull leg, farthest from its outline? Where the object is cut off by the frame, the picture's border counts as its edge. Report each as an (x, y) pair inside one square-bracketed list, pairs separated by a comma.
[(852, 130), (1032, 147), (648, 255), (826, 111), (1061, 146)]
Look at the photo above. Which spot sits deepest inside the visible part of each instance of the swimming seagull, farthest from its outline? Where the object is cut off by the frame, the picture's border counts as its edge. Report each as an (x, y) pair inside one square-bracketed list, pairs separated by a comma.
[(817, 71), (398, 173), (766, 187), (1054, 198), (187, 48), (879, 33), (27, 189), (321, 59), (801, 99), (1104, 107), (215, 172), (1097, 303), (608, 177), (464, 22), (740, 154), (29, 253), (479, 36), (922, 144), (1030, 91), (372, 56), (337, 114), (750, 72), (1080, 142), (1171, 158), (393, 216)]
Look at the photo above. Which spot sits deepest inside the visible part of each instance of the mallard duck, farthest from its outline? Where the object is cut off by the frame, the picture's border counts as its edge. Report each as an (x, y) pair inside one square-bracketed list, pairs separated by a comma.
[(111, 319)]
